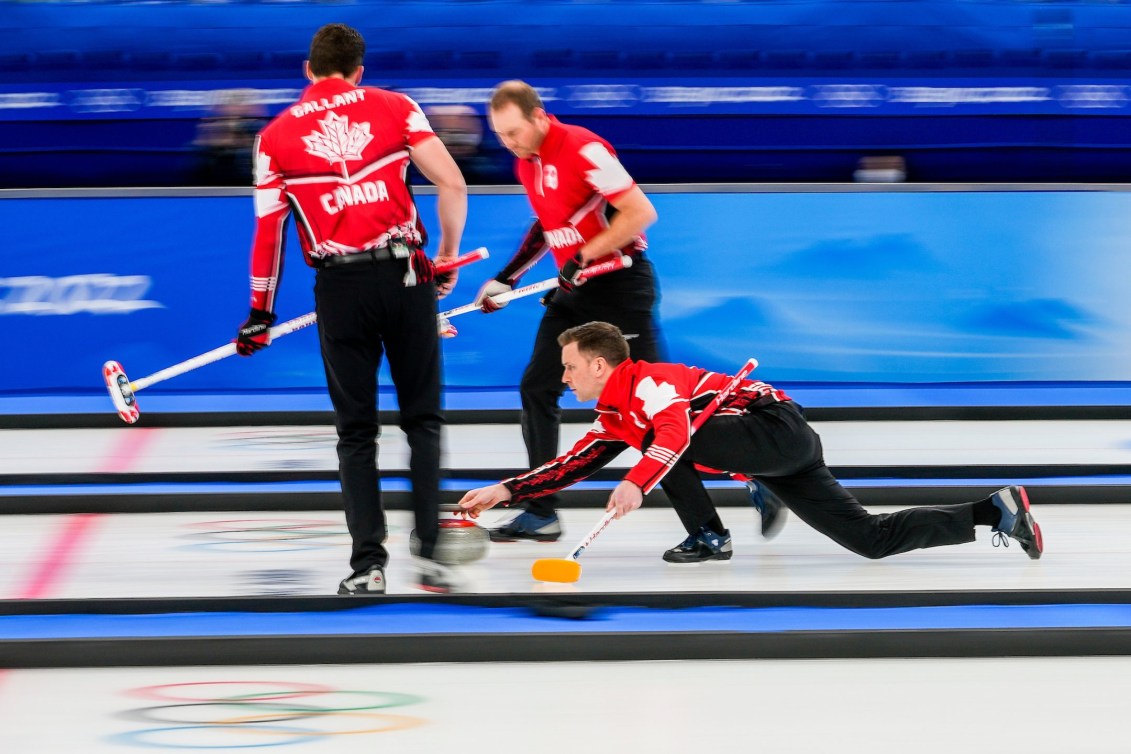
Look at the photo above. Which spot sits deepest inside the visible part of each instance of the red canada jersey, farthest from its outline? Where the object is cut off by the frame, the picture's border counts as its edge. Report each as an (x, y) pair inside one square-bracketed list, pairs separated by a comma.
[(337, 159), (641, 397), (570, 184)]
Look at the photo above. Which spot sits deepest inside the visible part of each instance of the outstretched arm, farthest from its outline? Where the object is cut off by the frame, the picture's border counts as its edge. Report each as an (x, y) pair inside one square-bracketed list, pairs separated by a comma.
[(480, 499), (591, 452), (437, 165)]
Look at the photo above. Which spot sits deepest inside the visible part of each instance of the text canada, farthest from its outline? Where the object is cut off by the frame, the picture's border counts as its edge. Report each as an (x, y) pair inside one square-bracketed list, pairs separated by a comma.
[(366, 192)]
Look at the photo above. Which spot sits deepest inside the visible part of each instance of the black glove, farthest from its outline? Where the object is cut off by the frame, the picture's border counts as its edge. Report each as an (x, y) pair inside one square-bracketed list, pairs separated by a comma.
[(568, 275), (254, 334), (446, 279), (421, 269)]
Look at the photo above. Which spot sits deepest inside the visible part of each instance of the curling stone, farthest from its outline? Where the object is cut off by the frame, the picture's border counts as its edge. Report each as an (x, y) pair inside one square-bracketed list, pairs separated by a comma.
[(461, 541)]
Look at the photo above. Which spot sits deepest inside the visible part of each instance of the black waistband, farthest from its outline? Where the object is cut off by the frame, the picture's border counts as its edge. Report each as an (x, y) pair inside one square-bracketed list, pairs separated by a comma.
[(380, 254)]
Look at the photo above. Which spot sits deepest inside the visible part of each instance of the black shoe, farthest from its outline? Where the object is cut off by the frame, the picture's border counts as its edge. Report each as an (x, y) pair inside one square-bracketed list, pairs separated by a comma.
[(1017, 521), (528, 526), (770, 508), (369, 582), (701, 546)]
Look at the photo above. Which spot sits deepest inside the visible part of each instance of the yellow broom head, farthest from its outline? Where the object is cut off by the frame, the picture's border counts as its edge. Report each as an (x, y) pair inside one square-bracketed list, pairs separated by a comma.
[(559, 570)]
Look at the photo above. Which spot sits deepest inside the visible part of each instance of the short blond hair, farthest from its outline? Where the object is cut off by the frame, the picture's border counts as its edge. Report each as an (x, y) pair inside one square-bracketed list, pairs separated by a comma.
[(517, 93)]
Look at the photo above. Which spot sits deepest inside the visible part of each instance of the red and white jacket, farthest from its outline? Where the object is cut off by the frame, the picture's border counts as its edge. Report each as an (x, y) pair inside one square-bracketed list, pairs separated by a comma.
[(570, 184), (337, 158), (641, 397)]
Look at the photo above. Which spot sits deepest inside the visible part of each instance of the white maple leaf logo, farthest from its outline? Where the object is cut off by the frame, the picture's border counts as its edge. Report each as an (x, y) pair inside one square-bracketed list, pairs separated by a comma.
[(263, 169), (609, 175), (418, 121), (339, 141), (656, 397)]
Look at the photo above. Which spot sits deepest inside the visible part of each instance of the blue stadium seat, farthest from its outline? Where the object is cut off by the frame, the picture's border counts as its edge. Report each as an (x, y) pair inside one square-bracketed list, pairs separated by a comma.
[(920, 59), (432, 60), (105, 60), (151, 60), (479, 60), (598, 60), (833, 60), (385, 60), (879, 60), (553, 60), (785, 59), (1119, 60), (197, 61), (15, 62), (287, 62), (1023, 58), (58, 60), (690, 61), (245, 61), (972, 58), (738, 60), (644, 62), (1063, 59)]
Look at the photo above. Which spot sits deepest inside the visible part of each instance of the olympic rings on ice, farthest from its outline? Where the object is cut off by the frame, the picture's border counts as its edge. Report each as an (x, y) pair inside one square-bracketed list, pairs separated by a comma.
[(241, 714), (269, 534)]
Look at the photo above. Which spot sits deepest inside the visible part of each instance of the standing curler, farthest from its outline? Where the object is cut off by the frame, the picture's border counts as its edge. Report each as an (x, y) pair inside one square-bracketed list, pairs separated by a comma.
[(589, 208), (337, 160)]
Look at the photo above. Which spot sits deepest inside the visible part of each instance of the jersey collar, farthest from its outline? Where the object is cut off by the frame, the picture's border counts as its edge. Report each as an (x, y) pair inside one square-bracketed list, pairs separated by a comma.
[(330, 86), (614, 388), (553, 140)]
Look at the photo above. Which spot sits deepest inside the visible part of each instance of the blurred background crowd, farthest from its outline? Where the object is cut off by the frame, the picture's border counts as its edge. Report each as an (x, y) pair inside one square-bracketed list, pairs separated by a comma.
[(123, 93)]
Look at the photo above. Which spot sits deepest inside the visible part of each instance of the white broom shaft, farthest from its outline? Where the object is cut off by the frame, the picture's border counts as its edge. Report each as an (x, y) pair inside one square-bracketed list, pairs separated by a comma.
[(502, 298), (600, 527), (618, 263), (278, 331), (704, 415), (221, 352)]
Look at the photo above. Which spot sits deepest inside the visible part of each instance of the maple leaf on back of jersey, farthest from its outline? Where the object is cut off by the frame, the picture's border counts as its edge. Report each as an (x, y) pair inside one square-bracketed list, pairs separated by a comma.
[(339, 141)]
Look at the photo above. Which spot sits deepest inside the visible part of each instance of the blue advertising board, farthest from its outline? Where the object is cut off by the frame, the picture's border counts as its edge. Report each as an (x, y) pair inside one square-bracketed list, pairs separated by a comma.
[(836, 286)]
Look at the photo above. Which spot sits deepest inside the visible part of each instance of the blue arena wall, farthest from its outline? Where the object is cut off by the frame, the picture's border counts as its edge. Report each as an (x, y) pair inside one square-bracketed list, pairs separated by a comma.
[(111, 93), (835, 286)]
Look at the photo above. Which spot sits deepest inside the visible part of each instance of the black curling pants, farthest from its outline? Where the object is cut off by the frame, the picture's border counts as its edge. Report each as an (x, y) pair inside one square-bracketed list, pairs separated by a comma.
[(775, 444), (364, 313), (625, 298)]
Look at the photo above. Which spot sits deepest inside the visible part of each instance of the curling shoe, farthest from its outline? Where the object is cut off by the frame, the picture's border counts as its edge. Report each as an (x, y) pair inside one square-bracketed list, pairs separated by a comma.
[(435, 577), (528, 526), (700, 547), (1017, 521), (770, 508), (368, 582)]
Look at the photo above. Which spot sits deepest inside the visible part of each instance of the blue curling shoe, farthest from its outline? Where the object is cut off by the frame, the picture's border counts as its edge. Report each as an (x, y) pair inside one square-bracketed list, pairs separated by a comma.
[(700, 547), (1017, 521), (528, 526), (770, 508)]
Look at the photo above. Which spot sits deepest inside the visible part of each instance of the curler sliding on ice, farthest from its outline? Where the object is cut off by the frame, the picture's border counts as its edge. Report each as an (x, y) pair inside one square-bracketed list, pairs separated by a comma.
[(567, 570), (751, 431), (123, 391)]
